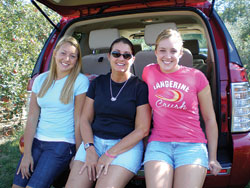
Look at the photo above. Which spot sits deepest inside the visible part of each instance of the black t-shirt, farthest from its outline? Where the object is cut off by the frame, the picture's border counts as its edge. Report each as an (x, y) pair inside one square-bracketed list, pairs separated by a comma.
[(116, 119)]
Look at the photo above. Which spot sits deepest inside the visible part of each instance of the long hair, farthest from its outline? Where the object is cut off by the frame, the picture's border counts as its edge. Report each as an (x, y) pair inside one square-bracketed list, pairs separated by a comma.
[(67, 91), (167, 33)]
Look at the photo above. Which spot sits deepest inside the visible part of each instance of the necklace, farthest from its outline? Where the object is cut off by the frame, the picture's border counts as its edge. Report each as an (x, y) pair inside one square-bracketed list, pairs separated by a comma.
[(114, 98)]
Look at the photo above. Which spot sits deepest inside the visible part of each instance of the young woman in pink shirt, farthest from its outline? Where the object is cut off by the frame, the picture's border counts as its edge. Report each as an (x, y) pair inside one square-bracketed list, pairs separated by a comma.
[(178, 153)]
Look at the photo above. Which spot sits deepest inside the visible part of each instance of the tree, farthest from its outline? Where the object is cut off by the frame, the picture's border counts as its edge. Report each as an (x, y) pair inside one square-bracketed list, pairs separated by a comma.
[(235, 15), (232, 10), (240, 32), (23, 33)]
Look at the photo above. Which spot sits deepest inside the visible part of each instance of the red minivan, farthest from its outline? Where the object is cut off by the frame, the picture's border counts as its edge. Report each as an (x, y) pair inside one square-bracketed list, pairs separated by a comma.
[(209, 48)]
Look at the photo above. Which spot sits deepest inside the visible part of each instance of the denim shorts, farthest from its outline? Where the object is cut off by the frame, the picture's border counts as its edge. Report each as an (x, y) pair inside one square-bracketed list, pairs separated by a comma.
[(177, 153), (50, 160), (131, 159)]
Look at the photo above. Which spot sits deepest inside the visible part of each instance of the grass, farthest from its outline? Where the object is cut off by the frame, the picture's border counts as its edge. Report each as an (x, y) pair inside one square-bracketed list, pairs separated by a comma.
[(9, 157)]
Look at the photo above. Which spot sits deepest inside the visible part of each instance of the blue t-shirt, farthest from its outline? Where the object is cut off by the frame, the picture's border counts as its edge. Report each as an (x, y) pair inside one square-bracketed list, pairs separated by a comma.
[(116, 119), (56, 120)]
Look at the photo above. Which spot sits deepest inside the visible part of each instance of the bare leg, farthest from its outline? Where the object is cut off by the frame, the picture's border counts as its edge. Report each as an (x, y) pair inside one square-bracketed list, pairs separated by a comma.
[(158, 174), (117, 177), (189, 176), (77, 180)]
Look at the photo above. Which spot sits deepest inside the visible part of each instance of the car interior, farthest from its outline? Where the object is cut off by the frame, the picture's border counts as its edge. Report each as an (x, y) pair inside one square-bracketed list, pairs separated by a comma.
[(96, 35)]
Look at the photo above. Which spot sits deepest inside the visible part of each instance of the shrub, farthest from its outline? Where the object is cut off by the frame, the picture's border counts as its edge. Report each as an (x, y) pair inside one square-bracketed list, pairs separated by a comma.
[(23, 33)]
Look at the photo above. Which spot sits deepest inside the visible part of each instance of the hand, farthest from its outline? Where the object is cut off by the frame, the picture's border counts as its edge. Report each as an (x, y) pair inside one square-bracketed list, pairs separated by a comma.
[(214, 167), (26, 166), (90, 163), (103, 165)]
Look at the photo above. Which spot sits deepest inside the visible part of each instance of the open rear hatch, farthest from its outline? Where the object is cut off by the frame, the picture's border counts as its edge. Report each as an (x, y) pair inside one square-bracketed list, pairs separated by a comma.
[(77, 8)]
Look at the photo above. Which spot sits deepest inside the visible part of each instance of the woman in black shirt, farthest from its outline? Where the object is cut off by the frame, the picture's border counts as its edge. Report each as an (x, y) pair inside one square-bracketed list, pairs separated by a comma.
[(115, 118)]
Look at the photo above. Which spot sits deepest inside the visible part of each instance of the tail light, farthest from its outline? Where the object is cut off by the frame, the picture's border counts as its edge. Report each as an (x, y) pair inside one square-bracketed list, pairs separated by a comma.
[(240, 107)]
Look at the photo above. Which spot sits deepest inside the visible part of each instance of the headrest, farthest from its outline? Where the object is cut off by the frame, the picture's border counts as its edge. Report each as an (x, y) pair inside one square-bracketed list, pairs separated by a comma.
[(103, 38), (192, 45), (187, 58), (152, 31), (137, 48)]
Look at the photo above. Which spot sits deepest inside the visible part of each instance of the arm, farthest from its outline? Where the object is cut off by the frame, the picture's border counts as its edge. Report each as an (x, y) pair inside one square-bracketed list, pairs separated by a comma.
[(142, 126), (86, 120), (29, 133), (79, 102), (208, 114), (87, 136)]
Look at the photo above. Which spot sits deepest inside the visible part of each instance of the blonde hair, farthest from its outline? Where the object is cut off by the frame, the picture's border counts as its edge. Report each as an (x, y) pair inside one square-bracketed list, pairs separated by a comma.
[(167, 33), (67, 91)]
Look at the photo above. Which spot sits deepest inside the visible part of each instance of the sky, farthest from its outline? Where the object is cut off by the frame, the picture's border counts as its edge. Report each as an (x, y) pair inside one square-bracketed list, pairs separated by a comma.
[(27, 1)]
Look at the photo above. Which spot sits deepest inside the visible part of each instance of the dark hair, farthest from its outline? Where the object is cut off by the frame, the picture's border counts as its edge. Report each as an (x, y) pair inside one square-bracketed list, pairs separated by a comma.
[(125, 41)]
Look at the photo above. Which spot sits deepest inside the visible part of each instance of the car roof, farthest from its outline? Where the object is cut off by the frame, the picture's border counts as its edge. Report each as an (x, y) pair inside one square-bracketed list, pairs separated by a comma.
[(77, 8)]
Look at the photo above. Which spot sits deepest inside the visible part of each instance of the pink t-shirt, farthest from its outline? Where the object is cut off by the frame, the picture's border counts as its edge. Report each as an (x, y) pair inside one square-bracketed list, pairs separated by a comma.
[(174, 100)]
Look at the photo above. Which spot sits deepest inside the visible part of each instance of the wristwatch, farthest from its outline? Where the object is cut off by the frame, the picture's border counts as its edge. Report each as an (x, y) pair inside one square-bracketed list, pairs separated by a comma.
[(87, 145)]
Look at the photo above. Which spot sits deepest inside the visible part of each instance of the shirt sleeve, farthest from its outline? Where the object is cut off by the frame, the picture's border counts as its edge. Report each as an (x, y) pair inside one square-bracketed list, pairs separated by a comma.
[(142, 94), (38, 82), (81, 84), (92, 88), (202, 81)]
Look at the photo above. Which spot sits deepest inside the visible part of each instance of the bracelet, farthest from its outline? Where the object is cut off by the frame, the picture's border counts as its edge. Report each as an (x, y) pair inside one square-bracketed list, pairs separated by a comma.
[(111, 156)]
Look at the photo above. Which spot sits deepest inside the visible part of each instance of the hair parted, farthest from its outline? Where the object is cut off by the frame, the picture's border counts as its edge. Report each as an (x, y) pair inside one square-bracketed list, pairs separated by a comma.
[(67, 91), (124, 41), (167, 33)]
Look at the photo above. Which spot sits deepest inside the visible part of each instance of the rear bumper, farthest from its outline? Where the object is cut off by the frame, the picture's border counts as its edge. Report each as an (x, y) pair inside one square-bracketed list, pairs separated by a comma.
[(238, 175), (219, 181)]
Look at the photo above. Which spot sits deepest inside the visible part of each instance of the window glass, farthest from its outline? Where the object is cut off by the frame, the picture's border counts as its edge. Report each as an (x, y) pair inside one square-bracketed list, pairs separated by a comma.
[(200, 38)]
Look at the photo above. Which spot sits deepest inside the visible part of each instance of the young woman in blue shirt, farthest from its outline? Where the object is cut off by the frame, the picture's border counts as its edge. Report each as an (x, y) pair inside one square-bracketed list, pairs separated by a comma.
[(52, 134)]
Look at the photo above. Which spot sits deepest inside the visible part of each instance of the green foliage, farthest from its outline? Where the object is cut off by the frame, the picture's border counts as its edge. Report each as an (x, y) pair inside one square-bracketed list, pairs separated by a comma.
[(235, 15), (23, 33), (241, 39), (232, 10)]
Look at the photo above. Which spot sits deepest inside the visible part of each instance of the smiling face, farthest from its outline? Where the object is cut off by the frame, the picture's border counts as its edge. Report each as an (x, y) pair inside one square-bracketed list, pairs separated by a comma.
[(168, 53), (66, 57), (120, 64)]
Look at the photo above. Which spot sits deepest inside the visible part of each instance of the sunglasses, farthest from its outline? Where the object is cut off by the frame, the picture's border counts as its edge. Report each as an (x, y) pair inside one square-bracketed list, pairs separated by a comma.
[(126, 56)]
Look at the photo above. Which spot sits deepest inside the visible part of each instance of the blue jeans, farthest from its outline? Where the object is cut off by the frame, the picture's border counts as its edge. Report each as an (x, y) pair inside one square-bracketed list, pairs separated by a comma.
[(50, 160), (130, 160)]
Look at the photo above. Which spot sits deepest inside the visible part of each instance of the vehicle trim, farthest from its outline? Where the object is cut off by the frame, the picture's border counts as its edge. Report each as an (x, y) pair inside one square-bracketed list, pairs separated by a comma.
[(223, 171), (45, 15), (38, 65), (77, 9), (212, 9)]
